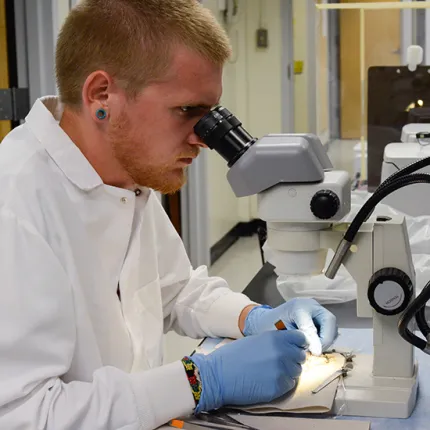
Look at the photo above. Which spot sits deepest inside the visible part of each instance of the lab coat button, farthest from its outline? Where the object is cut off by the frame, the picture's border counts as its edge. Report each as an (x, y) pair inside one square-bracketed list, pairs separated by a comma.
[(124, 200)]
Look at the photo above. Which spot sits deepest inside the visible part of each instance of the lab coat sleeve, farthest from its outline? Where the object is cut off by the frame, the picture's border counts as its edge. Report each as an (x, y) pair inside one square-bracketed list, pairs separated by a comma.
[(194, 304), (37, 341)]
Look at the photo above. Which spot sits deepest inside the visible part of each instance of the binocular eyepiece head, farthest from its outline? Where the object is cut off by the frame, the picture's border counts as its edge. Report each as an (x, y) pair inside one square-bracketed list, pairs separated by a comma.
[(222, 131)]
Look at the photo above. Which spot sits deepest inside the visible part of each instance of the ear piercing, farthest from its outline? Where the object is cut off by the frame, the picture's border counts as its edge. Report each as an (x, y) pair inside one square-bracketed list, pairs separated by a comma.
[(101, 114)]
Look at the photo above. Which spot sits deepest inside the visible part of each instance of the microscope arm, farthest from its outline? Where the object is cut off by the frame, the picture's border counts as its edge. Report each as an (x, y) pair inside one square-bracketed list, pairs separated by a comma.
[(382, 255)]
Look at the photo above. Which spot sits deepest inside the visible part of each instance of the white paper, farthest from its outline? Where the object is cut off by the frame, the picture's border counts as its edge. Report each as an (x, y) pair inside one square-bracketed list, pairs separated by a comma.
[(315, 371)]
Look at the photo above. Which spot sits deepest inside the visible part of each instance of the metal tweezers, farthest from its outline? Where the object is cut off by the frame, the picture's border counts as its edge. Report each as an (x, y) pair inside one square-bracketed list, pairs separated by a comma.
[(222, 418), (341, 373), (216, 421)]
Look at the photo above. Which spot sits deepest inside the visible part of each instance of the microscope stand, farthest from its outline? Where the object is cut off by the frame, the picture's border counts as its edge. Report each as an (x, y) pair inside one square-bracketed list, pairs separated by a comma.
[(364, 395), (383, 384)]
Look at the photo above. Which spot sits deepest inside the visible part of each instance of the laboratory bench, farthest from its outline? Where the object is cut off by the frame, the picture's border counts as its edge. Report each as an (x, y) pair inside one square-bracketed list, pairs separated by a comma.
[(355, 334)]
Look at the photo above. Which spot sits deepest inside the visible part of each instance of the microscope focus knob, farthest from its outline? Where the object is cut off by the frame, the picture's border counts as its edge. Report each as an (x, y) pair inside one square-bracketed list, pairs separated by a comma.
[(390, 291), (325, 204)]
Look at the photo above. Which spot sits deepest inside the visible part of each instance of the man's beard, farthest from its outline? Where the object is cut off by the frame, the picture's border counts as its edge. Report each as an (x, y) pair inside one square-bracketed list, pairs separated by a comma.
[(166, 179)]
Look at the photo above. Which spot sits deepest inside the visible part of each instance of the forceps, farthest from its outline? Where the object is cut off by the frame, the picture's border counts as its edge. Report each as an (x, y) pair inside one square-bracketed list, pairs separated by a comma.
[(341, 373)]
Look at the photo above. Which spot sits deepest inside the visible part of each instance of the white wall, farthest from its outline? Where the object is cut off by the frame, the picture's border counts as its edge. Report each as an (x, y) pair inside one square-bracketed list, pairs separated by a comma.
[(252, 91)]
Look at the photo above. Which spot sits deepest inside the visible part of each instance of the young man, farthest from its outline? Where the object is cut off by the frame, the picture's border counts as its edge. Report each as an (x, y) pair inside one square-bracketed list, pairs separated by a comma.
[(92, 272)]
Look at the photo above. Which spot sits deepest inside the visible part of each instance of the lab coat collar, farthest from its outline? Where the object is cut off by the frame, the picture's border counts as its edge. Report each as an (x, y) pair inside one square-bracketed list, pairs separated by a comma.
[(43, 120)]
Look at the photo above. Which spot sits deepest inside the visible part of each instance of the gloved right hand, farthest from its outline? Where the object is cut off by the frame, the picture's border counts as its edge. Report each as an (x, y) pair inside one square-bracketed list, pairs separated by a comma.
[(256, 369)]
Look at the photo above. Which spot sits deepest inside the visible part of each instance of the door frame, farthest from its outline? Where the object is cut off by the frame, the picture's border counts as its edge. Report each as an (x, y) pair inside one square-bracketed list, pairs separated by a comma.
[(37, 24), (312, 66), (195, 212), (427, 37), (40, 39), (406, 32), (6, 60), (287, 64), (21, 43), (333, 53)]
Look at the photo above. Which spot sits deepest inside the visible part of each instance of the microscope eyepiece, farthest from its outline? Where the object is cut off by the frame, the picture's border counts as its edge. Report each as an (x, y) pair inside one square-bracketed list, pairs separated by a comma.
[(222, 131)]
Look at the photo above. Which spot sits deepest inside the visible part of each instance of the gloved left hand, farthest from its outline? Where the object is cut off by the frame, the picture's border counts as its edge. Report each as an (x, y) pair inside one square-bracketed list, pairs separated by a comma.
[(317, 323)]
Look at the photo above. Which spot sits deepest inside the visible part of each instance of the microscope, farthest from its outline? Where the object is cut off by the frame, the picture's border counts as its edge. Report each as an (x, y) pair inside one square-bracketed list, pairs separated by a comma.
[(303, 201)]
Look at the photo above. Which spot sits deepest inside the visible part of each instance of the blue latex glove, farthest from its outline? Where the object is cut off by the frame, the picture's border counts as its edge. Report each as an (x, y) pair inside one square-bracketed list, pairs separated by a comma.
[(317, 323), (251, 370)]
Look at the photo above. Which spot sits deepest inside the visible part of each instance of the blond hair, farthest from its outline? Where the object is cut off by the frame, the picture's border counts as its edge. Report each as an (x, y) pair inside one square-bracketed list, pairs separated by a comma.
[(132, 40)]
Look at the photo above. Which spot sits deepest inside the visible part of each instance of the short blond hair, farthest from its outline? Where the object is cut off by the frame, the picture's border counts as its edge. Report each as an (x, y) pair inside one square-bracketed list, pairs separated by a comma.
[(132, 41)]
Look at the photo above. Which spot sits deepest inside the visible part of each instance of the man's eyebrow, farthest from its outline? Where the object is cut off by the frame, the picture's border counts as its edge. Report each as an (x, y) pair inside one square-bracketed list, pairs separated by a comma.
[(200, 105), (196, 103)]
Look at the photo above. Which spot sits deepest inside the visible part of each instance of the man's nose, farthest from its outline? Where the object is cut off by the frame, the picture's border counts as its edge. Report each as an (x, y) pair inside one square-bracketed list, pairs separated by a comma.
[(193, 139)]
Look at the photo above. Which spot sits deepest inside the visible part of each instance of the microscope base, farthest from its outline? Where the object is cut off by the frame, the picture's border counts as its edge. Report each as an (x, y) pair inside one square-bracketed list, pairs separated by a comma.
[(368, 396)]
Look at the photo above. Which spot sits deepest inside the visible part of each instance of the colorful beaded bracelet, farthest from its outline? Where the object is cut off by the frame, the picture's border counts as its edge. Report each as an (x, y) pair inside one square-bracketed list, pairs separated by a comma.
[(193, 378)]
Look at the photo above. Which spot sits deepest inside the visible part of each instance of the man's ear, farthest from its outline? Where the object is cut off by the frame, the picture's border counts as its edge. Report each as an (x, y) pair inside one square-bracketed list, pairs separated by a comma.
[(95, 92)]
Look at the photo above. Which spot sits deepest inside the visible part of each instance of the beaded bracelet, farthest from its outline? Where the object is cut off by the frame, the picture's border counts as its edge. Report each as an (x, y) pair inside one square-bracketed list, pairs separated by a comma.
[(193, 378)]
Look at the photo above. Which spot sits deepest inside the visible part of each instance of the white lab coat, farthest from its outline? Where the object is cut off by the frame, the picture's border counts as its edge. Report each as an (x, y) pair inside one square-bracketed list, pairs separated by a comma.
[(72, 355)]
